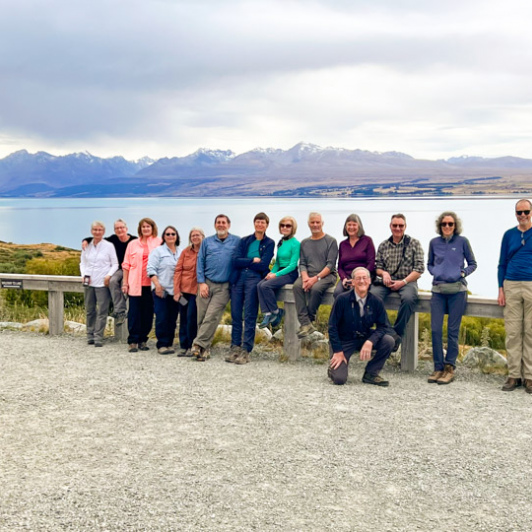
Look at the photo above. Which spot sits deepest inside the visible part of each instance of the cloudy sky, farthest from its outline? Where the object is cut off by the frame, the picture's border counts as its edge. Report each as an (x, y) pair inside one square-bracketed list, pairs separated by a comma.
[(164, 77)]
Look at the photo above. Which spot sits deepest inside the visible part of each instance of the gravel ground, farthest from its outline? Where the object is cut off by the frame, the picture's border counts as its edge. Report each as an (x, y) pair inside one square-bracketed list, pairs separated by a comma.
[(100, 439)]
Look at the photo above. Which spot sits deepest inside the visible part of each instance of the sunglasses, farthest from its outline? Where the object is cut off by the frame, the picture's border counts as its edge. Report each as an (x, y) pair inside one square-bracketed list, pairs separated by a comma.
[(445, 224), (398, 226), (170, 234), (526, 213), (285, 225)]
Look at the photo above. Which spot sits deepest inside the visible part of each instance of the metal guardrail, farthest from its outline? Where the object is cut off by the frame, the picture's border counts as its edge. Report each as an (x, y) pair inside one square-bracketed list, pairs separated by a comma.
[(57, 285)]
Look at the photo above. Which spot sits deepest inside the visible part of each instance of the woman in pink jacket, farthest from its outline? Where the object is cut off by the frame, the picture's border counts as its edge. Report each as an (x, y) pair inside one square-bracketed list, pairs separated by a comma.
[(137, 285)]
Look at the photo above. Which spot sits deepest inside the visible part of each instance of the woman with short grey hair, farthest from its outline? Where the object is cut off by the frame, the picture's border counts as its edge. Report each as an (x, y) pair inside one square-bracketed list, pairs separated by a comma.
[(355, 251), (98, 264)]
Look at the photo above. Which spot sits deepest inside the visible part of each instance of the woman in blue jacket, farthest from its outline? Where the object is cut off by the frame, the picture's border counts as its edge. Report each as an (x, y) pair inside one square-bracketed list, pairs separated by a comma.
[(451, 260), (251, 263)]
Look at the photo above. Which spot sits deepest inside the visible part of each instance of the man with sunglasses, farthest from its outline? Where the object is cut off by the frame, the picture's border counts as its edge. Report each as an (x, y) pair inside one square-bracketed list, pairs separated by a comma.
[(399, 264), (515, 295)]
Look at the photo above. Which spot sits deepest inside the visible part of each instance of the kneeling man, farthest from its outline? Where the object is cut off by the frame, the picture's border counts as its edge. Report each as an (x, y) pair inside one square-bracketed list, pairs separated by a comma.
[(351, 329)]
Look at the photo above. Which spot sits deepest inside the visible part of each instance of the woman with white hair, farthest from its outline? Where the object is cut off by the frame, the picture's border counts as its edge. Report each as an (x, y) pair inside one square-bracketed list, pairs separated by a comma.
[(98, 264)]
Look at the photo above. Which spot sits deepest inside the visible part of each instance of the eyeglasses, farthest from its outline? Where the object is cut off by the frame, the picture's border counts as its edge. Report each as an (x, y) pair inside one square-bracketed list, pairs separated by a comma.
[(445, 224), (285, 225), (398, 226), (170, 234), (526, 213)]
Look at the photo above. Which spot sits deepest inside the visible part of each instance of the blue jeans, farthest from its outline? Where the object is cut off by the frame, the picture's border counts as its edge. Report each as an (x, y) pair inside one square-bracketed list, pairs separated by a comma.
[(245, 300), (140, 316), (268, 288), (165, 319), (188, 321), (454, 305)]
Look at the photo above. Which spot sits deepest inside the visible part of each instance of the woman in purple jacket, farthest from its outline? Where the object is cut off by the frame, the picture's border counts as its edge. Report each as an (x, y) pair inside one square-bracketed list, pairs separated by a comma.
[(448, 255), (356, 250)]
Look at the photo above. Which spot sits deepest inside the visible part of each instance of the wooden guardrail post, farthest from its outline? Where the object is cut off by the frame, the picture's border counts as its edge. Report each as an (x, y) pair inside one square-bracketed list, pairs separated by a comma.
[(56, 314)]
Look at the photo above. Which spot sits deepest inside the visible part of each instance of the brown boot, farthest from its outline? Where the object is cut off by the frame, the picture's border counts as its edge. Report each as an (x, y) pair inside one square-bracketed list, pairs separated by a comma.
[(511, 384), (435, 376), (528, 385), (448, 375)]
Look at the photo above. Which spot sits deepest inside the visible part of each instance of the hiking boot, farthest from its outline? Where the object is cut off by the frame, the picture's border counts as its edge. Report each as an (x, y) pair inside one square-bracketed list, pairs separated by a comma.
[(196, 350), (204, 355), (133, 348), (183, 352), (277, 318), (143, 346), (188, 353), (511, 384), (120, 318), (266, 321), (305, 330), (528, 385), (234, 353), (448, 375), (374, 379), (435, 376), (165, 351), (98, 344), (90, 342), (244, 358)]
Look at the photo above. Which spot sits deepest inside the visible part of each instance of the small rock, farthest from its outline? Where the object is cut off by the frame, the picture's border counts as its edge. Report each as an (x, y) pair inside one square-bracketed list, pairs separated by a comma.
[(37, 325), (10, 325), (486, 359), (74, 326)]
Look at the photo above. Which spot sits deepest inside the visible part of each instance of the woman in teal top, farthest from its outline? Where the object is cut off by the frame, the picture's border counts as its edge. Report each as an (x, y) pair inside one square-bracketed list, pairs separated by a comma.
[(283, 272)]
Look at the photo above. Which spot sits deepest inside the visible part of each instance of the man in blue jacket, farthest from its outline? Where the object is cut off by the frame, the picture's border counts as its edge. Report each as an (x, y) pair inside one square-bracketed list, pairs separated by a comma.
[(214, 268), (358, 322), (251, 263)]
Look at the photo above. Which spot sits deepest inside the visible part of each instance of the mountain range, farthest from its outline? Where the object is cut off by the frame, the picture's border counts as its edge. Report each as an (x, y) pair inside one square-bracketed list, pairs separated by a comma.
[(303, 170)]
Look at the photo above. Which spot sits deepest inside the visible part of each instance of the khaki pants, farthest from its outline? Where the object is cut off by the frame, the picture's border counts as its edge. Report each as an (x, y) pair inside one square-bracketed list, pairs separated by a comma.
[(210, 311), (518, 324)]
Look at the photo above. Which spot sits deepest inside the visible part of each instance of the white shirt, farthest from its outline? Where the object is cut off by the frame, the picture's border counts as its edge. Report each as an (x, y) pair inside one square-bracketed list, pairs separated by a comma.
[(98, 261)]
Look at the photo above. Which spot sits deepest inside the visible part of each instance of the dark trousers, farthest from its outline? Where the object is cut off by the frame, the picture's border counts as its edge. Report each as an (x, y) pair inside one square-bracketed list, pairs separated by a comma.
[(408, 295), (188, 321), (308, 303), (267, 290), (140, 316), (166, 310), (245, 300), (454, 305), (383, 347)]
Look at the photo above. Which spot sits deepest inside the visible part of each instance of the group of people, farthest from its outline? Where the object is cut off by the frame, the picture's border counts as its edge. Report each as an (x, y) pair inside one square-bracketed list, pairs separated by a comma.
[(197, 283)]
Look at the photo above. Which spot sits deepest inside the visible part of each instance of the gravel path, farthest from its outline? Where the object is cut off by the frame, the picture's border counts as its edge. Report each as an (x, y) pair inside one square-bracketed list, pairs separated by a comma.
[(99, 439)]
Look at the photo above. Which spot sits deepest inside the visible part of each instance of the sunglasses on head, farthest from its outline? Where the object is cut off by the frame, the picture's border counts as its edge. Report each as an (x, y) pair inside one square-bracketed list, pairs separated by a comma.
[(526, 213), (445, 224)]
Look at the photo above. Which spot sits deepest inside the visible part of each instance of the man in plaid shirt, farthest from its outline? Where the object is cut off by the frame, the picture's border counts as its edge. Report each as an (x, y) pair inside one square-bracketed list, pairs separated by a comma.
[(399, 264)]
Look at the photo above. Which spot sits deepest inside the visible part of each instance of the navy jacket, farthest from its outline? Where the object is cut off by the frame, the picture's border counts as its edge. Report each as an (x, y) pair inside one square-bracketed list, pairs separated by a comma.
[(346, 325), (242, 262), (447, 259)]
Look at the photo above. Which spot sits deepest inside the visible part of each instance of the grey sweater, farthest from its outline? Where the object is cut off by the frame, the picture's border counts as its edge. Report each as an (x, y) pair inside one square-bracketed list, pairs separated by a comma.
[(316, 254)]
